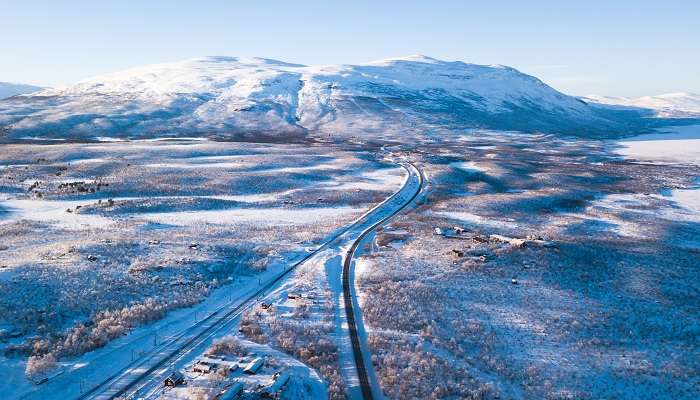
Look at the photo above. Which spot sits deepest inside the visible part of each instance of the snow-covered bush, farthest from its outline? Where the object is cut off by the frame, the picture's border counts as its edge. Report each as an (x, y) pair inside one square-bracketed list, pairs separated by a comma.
[(39, 366), (228, 345), (252, 329)]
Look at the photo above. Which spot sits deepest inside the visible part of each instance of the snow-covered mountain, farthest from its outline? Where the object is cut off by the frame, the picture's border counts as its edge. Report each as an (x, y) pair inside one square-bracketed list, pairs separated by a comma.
[(228, 96), (8, 89), (670, 105)]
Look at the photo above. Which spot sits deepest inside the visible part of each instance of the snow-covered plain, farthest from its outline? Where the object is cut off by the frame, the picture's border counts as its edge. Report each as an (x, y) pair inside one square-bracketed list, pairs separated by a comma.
[(108, 234), (677, 144), (673, 145), (571, 274)]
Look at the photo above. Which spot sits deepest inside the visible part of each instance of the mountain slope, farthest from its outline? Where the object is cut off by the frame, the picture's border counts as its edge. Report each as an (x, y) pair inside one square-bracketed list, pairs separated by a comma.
[(670, 105), (232, 97), (8, 89)]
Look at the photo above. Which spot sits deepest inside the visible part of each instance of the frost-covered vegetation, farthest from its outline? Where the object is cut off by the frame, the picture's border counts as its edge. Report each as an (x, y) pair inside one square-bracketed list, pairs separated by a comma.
[(228, 345), (569, 277), (99, 239), (304, 327)]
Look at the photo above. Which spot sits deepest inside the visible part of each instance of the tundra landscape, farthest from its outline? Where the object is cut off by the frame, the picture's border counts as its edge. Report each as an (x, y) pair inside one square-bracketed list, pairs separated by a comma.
[(224, 227)]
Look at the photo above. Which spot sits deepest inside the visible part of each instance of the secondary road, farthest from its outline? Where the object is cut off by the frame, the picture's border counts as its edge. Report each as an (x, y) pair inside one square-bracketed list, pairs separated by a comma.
[(147, 373), (353, 315)]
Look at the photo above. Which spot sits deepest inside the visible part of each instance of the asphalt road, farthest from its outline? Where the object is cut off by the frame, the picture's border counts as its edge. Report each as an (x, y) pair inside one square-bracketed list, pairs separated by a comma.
[(414, 183)]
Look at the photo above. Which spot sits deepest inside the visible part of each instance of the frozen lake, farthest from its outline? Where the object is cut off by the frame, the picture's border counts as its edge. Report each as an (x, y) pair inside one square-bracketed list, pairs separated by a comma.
[(678, 144)]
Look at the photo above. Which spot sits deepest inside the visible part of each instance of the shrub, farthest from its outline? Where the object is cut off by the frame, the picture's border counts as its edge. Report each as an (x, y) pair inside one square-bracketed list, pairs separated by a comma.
[(39, 366), (228, 345)]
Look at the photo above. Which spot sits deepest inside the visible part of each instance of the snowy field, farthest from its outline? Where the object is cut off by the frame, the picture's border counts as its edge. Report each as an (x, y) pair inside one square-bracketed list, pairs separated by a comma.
[(102, 239), (674, 145), (534, 267), (540, 268), (678, 144)]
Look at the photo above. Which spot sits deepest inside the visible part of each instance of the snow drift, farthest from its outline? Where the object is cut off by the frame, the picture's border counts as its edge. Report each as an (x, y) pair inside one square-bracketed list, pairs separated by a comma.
[(234, 97)]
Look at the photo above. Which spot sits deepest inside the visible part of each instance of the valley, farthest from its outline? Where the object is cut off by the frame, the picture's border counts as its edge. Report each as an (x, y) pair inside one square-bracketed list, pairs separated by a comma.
[(407, 228)]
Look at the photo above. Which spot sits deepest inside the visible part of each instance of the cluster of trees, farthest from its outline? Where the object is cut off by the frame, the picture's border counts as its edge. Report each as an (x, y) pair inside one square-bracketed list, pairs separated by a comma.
[(228, 345), (109, 325), (407, 371), (38, 366), (104, 327), (250, 326), (421, 343)]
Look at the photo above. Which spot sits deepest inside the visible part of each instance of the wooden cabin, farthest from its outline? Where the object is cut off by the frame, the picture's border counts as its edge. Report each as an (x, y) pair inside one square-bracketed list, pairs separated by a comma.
[(174, 379), (202, 367)]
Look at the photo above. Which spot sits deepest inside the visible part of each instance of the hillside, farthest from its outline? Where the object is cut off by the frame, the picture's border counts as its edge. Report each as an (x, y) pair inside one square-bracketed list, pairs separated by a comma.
[(670, 105), (8, 89), (233, 97)]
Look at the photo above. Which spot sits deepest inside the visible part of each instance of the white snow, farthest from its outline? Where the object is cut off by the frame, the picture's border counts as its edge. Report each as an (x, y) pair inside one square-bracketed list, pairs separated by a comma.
[(51, 211), (474, 219), (670, 105), (689, 199), (679, 144), (54, 211), (383, 179), (79, 161), (187, 165), (685, 207), (469, 166), (256, 215), (8, 89), (229, 94)]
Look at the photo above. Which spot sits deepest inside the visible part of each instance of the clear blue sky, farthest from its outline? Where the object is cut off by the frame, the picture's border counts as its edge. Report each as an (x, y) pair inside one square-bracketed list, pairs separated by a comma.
[(618, 47)]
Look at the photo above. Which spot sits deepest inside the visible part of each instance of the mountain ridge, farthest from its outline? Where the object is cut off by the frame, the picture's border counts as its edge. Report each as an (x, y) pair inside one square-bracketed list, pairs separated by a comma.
[(9, 89), (666, 105), (236, 96)]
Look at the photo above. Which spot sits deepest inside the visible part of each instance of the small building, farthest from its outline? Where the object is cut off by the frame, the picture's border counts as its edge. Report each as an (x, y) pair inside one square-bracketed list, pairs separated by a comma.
[(279, 379), (233, 392), (253, 366), (174, 379), (202, 367)]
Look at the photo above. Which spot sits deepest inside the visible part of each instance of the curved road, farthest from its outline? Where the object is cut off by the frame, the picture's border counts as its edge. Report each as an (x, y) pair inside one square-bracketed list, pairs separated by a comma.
[(146, 374), (414, 184)]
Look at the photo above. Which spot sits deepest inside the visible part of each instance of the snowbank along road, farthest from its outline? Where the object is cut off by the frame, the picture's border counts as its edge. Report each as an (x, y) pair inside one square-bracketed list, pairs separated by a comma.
[(144, 377)]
